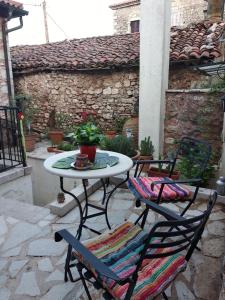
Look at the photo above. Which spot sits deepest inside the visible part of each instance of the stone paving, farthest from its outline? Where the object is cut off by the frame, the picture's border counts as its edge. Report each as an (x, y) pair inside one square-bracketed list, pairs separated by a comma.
[(32, 264)]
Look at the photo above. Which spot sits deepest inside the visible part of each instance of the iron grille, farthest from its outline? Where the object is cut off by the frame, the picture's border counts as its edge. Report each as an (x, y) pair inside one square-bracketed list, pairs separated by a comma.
[(12, 151)]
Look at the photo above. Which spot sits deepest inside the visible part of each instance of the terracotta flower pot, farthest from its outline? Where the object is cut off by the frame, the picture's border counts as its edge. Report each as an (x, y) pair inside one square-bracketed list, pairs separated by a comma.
[(110, 134), (56, 136), (155, 172), (89, 150), (54, 149), (146, 166), (30, 140)]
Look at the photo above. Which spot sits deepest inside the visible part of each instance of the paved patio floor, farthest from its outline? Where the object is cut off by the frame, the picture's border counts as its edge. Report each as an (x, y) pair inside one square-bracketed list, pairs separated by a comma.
[(32, 264)]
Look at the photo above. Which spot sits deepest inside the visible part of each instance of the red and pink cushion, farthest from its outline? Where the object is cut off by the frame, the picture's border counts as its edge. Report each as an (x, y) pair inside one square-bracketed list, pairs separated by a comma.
[(119, 249), (142, 187)]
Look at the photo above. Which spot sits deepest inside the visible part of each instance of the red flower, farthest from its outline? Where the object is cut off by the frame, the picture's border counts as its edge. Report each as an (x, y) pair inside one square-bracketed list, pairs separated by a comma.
[(20, 115)]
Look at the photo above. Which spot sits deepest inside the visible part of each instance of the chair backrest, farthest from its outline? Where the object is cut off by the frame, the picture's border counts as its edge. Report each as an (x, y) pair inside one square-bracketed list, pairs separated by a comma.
[(194, 155), (175, 236)]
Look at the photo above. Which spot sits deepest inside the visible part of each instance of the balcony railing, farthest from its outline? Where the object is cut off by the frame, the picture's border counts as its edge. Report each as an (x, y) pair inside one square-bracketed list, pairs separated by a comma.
[(12, 151)]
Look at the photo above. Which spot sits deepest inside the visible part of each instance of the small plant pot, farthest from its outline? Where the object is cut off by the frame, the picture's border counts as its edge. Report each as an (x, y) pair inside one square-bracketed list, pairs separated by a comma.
[(54, 149), (30, 141), (89, 150), (155, 172), (146, 166), (56, 136), (110, 134)]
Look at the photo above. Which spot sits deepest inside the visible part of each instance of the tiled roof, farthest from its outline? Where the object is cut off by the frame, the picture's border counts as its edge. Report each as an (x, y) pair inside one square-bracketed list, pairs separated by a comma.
[(124, 3), (12, 3), (11, 9), (199, 41)]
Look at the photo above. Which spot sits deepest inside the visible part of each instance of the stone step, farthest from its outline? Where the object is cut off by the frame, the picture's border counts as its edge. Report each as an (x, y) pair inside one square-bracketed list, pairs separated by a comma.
[(22, 211)]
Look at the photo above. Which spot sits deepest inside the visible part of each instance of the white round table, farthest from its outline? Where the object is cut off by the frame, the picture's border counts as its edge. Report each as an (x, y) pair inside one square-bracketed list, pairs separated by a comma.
[(123, 166)]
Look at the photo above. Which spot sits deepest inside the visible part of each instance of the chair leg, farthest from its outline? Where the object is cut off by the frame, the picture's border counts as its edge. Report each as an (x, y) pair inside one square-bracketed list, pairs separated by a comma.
[(144, 218), (67, 265), (79, 269), (164, 296)]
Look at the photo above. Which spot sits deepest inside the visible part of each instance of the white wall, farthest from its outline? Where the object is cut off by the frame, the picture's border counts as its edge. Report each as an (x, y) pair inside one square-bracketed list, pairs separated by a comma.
[(154, 69)]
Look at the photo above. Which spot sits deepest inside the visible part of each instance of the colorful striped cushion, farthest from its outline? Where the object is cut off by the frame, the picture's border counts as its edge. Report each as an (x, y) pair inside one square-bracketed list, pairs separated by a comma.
[(119, 249), (141, 188)]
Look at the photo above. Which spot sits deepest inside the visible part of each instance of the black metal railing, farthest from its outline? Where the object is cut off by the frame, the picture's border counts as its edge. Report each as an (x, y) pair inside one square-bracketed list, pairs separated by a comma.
[(12, 151)]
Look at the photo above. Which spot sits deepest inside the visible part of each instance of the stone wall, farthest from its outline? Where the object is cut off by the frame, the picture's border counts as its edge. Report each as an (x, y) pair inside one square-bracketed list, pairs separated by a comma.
[(4, 100), (110, 95), (187, 78), (184, 12), (195, 114), (123, 17)]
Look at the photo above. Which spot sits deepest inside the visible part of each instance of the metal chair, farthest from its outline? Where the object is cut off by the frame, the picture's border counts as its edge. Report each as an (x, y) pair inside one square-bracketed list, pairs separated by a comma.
[(164, 189), (134, 263)]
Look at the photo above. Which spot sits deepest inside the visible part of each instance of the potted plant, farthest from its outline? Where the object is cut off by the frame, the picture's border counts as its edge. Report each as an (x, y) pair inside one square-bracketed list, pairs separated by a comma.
[(28, 111), (121, 144), (162, 172), (146, 152), (55, 123), (88, 136)]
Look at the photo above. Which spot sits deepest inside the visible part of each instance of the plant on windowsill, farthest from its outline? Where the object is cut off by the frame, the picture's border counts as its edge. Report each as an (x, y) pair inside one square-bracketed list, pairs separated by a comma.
[(87, 136)]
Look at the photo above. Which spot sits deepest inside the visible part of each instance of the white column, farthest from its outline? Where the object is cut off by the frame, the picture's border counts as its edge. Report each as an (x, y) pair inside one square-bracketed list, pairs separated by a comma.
[(154, 69)]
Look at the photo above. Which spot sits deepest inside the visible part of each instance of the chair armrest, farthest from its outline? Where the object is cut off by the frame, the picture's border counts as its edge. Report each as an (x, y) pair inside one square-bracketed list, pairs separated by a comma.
[(196, 180), (139, 162), (165, 212), (90, 258), (149, 161)]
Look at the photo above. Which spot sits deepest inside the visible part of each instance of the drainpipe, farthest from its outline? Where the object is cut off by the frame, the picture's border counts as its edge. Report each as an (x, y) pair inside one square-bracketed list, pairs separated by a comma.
[(5, 32)]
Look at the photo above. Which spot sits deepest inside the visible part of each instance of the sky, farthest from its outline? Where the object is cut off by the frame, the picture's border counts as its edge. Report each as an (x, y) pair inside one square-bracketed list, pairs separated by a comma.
[(76, 18)]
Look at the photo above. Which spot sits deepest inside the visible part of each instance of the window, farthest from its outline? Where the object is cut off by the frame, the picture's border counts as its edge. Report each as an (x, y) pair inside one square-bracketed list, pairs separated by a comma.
[(135, 26)]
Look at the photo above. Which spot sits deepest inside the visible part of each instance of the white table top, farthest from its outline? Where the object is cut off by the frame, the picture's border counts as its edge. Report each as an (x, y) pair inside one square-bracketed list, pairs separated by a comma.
[(124, 165)]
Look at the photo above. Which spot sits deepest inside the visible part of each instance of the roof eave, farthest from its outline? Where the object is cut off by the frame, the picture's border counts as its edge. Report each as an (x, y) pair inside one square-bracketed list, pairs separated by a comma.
[(123, 5), (9, 11)]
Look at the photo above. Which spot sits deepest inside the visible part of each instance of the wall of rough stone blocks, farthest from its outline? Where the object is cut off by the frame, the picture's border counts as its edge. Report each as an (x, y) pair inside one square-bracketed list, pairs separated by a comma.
[(183, 12), (123, 17), (187, 78), (188, 112), (196, 114), (108, 94), (4, 100)]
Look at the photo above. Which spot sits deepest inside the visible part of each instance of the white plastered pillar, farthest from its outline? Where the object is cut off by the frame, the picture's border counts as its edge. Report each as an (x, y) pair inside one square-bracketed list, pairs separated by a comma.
[(154, 69)]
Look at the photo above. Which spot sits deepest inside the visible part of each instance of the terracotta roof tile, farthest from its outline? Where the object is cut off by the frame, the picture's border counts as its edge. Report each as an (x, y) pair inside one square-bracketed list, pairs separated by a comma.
[(198, 41), (12, 3)]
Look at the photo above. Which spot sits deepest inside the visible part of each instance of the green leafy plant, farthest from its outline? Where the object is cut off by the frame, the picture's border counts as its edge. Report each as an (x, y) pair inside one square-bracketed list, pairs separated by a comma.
[(146, 147), (87, 134), (66, 146), (119, 123), (188, 169), (23, 103), (120, 144)]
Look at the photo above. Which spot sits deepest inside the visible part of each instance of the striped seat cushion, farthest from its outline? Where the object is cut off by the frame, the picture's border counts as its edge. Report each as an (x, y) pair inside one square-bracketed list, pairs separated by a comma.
[(119, 249), (141, 188)]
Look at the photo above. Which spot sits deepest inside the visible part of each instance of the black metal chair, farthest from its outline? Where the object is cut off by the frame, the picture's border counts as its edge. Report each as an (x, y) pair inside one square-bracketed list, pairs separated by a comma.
[(194, 152), (134, 263)]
